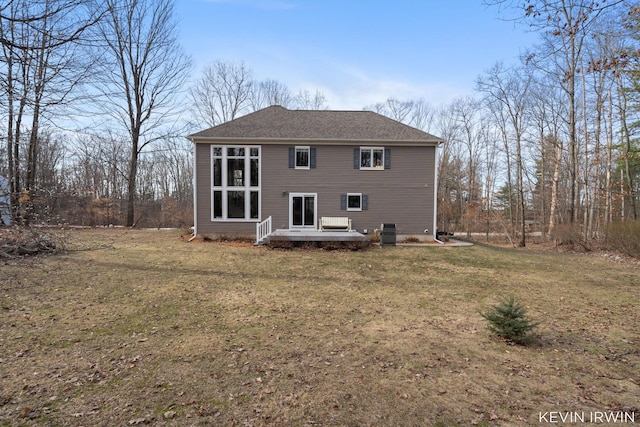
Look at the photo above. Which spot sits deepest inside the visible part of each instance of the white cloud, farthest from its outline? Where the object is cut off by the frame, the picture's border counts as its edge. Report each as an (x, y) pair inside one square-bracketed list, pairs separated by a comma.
[(357, 96), (350, 88)]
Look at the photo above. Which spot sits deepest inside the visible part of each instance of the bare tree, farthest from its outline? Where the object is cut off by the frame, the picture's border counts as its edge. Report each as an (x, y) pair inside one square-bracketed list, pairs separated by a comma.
[(43, 65), (168, 171), (50, 181), (595, 166), (466, 113), (509, 88), (97, 180), (144, 69), (608, 57), (305, 100), (547, 109), (393, 108), (269, 92), (565, 26), (627, 179), (422, 115), (449, 168), (224, 92), (626, 70)]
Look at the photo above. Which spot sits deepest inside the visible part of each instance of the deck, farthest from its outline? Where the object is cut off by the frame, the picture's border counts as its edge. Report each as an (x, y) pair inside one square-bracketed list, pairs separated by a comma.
[(317, 236), (303, 235)]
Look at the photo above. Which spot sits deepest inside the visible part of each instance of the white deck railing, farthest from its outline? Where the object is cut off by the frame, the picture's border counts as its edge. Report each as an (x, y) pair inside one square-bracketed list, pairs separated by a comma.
[(263, 229)]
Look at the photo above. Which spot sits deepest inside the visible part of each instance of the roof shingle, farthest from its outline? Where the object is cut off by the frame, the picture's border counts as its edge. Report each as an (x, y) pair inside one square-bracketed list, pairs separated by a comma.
[(276, 122)]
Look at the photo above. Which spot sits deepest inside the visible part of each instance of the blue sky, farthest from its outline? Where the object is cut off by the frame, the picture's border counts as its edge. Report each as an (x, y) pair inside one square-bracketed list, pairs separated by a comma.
[(356, 52)]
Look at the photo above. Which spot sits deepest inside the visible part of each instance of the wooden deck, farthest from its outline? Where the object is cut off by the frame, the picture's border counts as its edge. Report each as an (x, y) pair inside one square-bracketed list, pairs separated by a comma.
[(303, 235)]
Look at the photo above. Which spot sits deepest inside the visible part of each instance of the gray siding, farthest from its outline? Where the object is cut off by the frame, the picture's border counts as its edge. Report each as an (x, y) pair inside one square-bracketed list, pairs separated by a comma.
[(402, 194)]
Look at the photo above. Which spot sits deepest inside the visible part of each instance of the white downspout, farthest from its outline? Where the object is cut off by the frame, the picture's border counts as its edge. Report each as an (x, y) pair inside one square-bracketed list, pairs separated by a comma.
[(435, 196), (195, 193)]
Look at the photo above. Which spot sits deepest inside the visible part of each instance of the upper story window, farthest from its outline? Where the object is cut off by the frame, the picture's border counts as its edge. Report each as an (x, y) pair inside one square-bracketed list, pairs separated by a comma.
[(372, 158), (302, 158)]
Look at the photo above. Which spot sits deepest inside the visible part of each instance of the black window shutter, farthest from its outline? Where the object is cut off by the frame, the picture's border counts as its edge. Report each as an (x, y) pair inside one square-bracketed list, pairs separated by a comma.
[(292, 157), (365, 202), (387, 158), (312, 157), (343, 202), (356, 158)]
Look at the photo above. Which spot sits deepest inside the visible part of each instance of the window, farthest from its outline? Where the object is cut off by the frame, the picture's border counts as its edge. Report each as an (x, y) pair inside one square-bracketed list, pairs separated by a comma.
[(354, 202), (302, 157), (372, 158), (235, 183)]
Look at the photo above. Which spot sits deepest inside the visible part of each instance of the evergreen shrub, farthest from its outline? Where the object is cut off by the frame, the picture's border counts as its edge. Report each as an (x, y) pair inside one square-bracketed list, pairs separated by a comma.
[(508, 319)]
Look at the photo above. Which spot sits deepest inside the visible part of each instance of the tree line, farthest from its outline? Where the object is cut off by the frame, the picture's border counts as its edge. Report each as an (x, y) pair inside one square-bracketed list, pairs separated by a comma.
[(96, 102), (550, 144)]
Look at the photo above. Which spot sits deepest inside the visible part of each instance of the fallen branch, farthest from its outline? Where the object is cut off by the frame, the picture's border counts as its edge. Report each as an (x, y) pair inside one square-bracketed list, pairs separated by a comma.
[(17, 242)]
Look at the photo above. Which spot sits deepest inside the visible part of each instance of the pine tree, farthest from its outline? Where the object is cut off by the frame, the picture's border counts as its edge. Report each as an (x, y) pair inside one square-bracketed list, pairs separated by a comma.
[(508, 319)]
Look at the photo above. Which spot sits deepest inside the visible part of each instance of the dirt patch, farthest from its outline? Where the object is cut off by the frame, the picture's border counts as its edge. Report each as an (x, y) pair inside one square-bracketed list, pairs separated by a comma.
[(140, 327)]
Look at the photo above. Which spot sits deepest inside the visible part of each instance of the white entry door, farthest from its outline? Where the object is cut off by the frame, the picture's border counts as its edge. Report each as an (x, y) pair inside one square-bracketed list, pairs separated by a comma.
[(302, 210)]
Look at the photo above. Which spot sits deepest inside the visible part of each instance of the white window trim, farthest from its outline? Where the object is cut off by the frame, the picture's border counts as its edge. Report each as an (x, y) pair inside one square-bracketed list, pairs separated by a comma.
[(315, 211), (247, 188), (358, 209), (295, 157), (371, 150)]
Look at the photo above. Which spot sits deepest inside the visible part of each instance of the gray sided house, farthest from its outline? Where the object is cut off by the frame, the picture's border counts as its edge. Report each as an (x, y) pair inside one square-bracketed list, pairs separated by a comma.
[(293, 168)]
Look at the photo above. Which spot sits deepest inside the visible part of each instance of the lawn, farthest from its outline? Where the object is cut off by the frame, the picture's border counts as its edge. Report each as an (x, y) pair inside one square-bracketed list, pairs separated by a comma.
[(142, 327)]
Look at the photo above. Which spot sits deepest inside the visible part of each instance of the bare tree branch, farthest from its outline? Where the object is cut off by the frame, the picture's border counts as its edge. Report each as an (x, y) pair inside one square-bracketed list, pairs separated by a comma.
[(144, 70)]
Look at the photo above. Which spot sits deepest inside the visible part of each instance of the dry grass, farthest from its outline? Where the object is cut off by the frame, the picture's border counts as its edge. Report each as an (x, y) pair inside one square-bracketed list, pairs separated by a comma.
[(146, 328)]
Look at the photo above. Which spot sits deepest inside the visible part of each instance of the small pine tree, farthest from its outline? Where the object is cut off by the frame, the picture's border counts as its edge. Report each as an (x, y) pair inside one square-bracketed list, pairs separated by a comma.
[(508, 319)]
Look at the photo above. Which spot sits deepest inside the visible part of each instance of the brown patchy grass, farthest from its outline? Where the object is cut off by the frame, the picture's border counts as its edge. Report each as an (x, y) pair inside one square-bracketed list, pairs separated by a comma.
[(141, 327)]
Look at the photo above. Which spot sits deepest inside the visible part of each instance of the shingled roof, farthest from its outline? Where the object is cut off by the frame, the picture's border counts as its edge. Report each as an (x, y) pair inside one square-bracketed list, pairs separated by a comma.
[(278, 123)]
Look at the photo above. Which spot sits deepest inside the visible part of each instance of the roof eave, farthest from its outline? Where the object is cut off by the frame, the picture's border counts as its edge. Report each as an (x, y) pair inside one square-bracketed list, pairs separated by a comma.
[(316, 141)]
